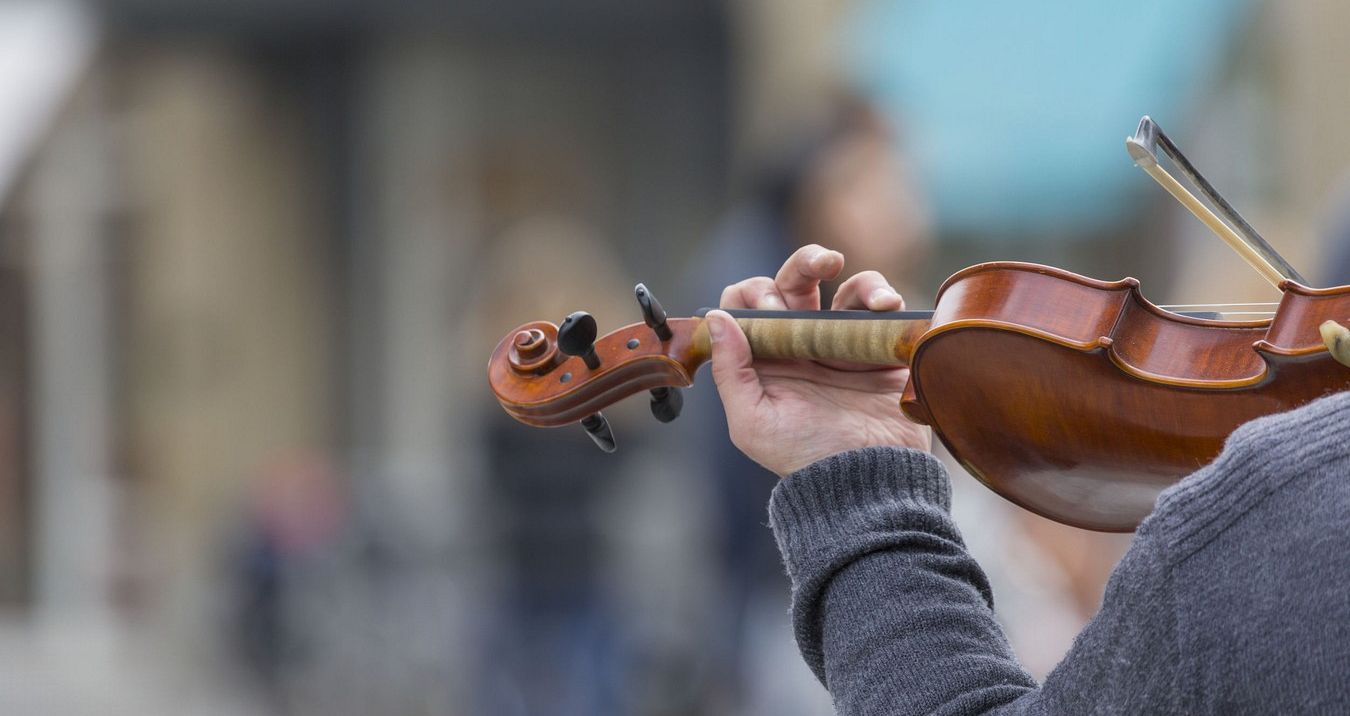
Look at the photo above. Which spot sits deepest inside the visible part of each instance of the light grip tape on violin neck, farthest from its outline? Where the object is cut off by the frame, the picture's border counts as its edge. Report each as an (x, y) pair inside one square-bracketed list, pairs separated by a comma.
[(865, 337)]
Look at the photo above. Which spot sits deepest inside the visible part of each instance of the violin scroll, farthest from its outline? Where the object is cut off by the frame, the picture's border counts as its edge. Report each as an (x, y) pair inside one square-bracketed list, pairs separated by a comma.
[(546, 375), (533, 350)]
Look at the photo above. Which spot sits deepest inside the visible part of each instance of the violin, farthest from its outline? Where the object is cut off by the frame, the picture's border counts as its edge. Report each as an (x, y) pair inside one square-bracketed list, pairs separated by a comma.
[(1075, 398)]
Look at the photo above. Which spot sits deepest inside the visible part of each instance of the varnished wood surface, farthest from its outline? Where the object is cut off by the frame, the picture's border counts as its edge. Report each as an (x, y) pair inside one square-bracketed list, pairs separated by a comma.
[(565, 391), (1085, 414)]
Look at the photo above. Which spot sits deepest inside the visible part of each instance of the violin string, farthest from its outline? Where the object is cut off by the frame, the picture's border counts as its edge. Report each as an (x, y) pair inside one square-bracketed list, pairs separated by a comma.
[(1217, 305)]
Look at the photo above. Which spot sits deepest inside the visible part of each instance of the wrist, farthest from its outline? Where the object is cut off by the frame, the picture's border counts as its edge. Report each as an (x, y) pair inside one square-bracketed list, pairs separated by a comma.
[(784, 463)]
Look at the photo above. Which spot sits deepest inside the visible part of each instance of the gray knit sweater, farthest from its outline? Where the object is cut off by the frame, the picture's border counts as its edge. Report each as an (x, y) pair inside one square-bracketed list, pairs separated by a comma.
[(1233, 597)]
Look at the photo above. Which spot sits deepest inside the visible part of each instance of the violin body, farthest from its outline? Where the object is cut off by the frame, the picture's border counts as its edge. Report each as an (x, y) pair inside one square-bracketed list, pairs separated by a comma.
[(1075, 398), (1080, 400)]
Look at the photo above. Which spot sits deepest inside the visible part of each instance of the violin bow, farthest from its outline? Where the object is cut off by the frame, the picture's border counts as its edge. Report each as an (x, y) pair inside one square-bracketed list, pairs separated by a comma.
[(1240, 236)]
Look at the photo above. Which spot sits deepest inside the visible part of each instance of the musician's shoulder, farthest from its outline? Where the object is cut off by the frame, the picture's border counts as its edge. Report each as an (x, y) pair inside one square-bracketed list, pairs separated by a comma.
[(1278, 470)]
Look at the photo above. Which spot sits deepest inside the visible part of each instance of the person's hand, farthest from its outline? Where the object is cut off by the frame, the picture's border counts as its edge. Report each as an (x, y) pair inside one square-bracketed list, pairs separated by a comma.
[(786, 415)]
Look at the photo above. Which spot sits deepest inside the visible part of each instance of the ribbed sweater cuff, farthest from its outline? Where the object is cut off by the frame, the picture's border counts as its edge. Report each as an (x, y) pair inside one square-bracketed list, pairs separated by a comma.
[(817, 510), (842, 508)]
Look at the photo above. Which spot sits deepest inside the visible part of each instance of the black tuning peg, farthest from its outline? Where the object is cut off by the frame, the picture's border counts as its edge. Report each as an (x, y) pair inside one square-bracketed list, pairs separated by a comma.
[(598, 428), (667, 403), (652, 313), (576, 337)]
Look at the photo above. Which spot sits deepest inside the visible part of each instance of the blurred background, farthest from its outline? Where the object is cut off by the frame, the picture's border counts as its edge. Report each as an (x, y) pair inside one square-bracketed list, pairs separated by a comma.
[(254, 255)]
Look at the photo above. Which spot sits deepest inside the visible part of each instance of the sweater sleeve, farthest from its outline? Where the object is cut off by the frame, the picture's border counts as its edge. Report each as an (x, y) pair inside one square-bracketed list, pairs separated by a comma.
[(895, 617)]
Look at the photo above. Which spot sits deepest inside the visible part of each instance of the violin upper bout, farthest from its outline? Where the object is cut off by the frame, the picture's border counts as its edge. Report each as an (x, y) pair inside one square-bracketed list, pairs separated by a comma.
[(1298, 327)]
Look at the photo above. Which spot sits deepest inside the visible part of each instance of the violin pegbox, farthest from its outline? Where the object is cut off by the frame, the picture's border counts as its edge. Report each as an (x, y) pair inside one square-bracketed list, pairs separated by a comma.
[(546, 375)]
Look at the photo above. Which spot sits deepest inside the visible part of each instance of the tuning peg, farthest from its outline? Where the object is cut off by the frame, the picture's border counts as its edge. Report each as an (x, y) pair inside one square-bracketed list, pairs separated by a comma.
[(652, 312), (667, 403), (576, 337), (598, 428)]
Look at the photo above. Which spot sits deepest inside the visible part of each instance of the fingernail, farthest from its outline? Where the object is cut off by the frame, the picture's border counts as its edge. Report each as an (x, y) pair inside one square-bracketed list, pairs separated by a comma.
[(883, 294), (715, 327), (769, 300), (820, 260)]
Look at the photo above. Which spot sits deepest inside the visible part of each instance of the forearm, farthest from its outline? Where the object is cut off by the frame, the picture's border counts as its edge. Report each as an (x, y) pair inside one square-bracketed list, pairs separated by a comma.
[(889, 609)]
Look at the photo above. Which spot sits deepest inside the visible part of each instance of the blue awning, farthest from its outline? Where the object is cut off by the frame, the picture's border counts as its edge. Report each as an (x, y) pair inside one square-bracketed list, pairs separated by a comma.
[(1015, 112)]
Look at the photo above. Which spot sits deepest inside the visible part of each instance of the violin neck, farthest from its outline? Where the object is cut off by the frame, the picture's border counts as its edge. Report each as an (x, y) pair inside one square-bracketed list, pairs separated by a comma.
[(871, 338)]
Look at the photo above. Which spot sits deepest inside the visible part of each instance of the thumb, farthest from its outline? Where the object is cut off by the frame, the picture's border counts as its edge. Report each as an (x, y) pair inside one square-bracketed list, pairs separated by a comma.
[(733, 365)]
